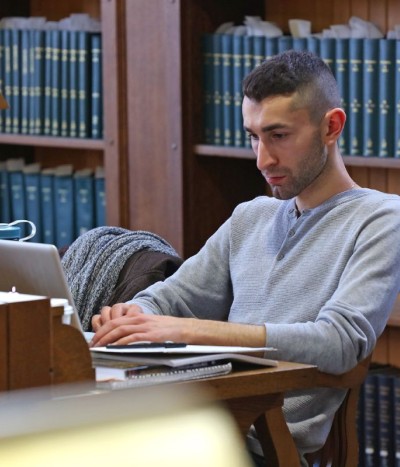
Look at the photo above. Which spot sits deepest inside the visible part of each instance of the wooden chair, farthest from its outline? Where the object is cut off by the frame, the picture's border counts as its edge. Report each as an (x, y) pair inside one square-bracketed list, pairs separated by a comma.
[(341, 446)]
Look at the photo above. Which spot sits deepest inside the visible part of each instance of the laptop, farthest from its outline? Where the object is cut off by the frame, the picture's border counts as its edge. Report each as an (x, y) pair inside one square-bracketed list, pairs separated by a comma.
[(35, 269)]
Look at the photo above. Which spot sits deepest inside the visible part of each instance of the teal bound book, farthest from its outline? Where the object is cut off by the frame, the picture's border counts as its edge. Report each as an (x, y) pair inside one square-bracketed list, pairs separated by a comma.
[(100, 197), (83, 84), (227, 89), (55, 83), (258, 50), (17, 190), (313, 44), (38, 80), (64, 206), (96, 74), (5, 206), (84, 201), (25, 80), (285, 43), (47, 107), (370, 97), (271, 46), (217, 86), (15, 103), (238, 132), (32, 198), (208, 88), (342, 78), (397, 101), (73, 85), (47, 206), (299, 43), (355, 114), (64, 83), (327, 51), (1, 77), (387, 65), (247, 65), (31, 80)]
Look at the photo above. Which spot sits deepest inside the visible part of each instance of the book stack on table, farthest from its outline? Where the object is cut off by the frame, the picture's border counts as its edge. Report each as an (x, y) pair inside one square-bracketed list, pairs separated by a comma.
[(144, 364)]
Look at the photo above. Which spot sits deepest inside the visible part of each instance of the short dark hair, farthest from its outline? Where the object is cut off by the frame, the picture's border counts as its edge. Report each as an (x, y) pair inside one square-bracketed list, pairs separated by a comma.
[(295, 72)]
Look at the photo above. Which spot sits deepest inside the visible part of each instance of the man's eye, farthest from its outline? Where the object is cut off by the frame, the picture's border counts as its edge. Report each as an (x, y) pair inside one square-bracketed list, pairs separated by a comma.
[(279, 135), (251, 136)]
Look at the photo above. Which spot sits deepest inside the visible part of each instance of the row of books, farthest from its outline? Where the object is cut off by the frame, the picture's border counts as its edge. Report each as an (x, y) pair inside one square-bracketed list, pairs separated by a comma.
[(61, 202), (379, 418), (367, 72), (52, 80)]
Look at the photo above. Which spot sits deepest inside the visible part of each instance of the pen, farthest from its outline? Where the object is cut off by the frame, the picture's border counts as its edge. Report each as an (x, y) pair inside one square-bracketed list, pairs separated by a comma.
[(148, 345)]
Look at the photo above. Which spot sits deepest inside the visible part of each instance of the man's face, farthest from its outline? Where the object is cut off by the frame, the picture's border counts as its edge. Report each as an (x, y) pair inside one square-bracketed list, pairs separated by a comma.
[(288, 146)]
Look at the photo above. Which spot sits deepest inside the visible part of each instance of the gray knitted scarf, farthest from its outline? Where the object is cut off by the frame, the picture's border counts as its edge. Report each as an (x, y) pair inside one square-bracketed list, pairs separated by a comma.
[(94, 261)]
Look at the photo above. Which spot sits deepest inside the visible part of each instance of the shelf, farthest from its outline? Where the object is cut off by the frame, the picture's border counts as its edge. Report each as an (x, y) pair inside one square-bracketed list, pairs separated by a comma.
[(244, 153), (49, 141)]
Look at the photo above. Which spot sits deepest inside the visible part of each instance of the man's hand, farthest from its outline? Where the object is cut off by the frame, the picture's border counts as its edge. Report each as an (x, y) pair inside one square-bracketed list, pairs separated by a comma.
[(124, 324)]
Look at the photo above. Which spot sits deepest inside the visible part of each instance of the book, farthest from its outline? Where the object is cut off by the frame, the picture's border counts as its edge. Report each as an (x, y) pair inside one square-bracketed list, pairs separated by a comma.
[(271, 46), (32, 198), (15, 104), (299, 43), (327, 51), (84, 201), (1, 79), (247, 64), (355, 96), (342, 78), (396, 135), (73, 84), (258, 50), (285, 43), (96, 126), (47, 100), (387, 64), (100, 197), (7, 78), (237, 51), (152, 375), (64, 206), (208, 88), (370, 111), (370, 421), (396, 419), (47, 206), (37, 110), (217, 90), (227, 89), (55, 122), (313, 44), (64, 83), (5, 206), (83, 84), (17, 190), (25, 80)]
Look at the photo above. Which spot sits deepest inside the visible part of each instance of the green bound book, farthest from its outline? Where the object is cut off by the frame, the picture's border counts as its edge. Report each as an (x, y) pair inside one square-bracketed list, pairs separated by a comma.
[(64, 83), (227, 89), (207, 41), (342, 78), (83, 84), (15, 104), (32, 198), (238, 132), (355, 115), (47, 198), (370, 97), (96, 74), (55, 122), (25, 80), (64, 206), (100, 197), (387, 114), (84, 201)]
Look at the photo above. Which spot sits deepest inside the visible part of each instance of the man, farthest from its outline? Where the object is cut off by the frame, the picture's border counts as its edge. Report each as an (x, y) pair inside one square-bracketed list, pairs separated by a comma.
[(313, 271)]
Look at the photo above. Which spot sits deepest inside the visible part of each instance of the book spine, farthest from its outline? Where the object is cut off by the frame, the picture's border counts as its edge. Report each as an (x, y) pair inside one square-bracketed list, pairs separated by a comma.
[(342, 76), (397, 101), (64, 208), (16, 81), (1, 77), (55, 82), (385, 425), (355, 96), (217, 96), (47, 207), (96, 87), (370, 97), (396, 420), (285, 43), (5, 204), (327, 52), (32, 203), (83, 84), (64, 83), (227, 90), (47, 117), (100, 198), (17, 196), (238, 132), (387, 64), (313, 44), (247, 64), (39, 81), (370, 424), (73, 85), (299, 43), (7, 78), (25, 76), (208, 88), (271, 46), (84, 203), (258, 50), (31, 82)]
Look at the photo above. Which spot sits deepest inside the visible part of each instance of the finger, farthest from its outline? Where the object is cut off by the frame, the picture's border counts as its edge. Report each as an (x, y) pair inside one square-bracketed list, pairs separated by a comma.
[(96, 322)]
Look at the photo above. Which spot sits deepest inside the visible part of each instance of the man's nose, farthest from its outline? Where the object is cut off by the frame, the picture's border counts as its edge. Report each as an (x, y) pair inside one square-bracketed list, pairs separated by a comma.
[(265, 158)]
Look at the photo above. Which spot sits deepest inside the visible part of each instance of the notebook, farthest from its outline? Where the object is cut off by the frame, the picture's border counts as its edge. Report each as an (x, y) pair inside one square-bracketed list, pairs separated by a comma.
[(35, 269)]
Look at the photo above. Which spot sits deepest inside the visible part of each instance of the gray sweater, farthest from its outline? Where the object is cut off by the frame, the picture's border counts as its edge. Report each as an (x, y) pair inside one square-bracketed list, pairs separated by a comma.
[(323, 284)]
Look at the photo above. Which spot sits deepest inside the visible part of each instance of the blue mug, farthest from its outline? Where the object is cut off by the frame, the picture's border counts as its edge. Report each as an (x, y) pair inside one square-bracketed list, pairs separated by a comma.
[(12, 232)]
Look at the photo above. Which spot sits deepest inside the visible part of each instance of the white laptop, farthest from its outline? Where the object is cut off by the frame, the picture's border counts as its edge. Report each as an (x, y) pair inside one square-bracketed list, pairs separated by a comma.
[(35, 269)]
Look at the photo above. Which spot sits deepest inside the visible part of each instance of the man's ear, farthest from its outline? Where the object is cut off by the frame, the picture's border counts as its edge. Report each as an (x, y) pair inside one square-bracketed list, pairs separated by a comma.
[(334, 122)]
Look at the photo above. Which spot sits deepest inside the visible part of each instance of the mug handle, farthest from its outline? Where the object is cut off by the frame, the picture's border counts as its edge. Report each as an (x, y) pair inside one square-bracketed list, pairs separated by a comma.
[(33, 229)]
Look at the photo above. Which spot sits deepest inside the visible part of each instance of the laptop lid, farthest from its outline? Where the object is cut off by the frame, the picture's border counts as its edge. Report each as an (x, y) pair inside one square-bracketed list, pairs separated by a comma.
[(36, 269)]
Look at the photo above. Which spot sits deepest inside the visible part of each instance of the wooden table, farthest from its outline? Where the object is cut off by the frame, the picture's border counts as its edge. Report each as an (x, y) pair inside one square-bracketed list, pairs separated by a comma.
[(255, 397)]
